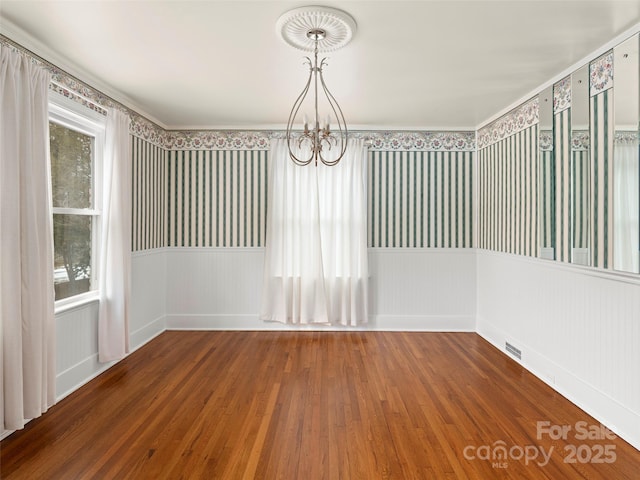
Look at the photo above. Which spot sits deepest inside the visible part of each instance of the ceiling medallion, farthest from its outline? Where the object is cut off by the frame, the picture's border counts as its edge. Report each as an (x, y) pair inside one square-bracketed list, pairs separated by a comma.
[(316, 29), (294, 25)]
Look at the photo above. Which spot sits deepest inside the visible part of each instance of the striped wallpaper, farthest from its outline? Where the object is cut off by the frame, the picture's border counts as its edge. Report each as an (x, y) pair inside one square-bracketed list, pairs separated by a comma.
[(547, 199), (216, 198), (580, 198), (507, 194), (602, 135), (420, 199), (149, 195), (562, 147)]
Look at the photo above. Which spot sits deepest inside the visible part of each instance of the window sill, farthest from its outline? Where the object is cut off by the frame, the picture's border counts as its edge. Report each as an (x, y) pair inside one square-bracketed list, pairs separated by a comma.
[(77, 301)]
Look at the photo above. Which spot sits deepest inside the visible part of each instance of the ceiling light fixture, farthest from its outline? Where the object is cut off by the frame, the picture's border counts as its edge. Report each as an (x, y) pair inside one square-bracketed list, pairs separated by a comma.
[(316, 29)]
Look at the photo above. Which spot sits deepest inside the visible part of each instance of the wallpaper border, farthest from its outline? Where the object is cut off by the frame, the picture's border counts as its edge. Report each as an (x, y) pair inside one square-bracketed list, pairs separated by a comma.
[(460, 141), (512, 122)]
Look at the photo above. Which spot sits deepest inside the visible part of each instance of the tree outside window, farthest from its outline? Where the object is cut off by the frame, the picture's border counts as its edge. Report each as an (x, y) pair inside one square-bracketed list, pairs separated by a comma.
[(72, 154)]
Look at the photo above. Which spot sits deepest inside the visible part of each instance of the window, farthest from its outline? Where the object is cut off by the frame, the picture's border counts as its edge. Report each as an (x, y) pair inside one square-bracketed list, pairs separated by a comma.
[(76, 140)]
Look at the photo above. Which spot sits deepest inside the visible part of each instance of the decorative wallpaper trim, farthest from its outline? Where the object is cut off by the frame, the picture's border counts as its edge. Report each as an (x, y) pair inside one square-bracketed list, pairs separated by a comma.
[(419, 141), (546, 140), (601, 73), (562, 94), (627, 137), (376, 140), (515, 121), (579, 140)]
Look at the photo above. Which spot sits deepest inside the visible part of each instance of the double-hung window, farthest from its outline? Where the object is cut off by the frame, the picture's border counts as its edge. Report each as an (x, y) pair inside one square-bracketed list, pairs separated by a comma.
[(76, 143)]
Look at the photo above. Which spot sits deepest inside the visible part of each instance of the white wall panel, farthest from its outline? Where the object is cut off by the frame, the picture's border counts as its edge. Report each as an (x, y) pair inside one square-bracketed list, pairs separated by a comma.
[(410, 289), (213, 281), (148, 279), (76, 348), (77, 328), (423, 289), (578, 330)]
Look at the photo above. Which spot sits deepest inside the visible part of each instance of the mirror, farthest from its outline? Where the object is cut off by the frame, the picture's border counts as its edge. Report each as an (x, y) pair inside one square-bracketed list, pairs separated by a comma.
[(626, 173), (546, 173), (579, 213)]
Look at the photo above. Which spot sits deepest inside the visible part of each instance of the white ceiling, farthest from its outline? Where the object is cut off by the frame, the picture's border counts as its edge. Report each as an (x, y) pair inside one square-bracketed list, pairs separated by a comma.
[(411, 64)]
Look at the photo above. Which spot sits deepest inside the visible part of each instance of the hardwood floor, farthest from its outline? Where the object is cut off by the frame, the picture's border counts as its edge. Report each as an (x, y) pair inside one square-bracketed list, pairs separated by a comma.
[(311, 405)]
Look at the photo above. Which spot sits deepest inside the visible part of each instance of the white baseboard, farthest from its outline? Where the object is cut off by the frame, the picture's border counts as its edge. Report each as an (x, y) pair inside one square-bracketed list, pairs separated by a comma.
[(89, 368), (616, 417), (147, 333), (424, 323), (81, 373), (417, 323)]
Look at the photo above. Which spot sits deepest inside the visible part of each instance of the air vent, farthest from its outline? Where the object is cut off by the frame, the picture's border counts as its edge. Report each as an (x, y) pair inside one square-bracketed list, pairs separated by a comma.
[(513, 350)]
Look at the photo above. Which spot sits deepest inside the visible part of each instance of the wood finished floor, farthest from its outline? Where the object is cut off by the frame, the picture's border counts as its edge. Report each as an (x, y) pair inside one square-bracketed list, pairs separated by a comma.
[(311, 405)]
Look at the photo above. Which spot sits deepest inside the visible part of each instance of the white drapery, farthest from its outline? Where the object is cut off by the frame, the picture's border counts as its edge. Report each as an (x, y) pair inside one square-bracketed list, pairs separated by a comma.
[(316, 251), (115, 254), (27, 325), (626, 216)]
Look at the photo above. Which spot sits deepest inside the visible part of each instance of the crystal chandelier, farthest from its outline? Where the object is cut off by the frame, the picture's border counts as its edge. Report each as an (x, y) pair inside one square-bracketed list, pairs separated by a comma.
[(316, 29)]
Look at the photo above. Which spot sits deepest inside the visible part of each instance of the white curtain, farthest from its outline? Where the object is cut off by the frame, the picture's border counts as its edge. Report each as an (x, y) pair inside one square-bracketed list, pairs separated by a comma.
[(316, 250), (27, 325), (626, 178), (115, 254)]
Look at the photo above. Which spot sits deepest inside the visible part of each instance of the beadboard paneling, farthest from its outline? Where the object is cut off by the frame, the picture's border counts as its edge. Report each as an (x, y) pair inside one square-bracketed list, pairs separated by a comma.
[(578, 330), (77, 348), (423, 289), (410, 289), (77, 328), (148, 304)]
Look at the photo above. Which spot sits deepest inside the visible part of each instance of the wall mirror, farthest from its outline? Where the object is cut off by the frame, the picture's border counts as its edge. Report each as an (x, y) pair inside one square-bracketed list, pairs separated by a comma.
[(579, 166), (546, 194), (626, 173)]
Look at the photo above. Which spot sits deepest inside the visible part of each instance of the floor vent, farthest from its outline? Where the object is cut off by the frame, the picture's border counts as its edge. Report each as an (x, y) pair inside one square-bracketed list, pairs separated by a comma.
[(513, 350)]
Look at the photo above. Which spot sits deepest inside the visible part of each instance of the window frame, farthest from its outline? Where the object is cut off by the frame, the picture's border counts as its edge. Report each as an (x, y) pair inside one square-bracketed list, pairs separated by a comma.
[(72, 115)]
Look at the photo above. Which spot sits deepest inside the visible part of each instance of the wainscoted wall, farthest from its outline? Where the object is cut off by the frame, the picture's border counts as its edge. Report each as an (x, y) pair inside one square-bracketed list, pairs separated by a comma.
[(420, 197), (77, 328), (508, 184), (577, 329), (410, 289)]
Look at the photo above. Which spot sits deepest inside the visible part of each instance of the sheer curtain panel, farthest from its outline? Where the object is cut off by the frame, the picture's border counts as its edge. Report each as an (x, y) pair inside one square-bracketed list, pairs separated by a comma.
[(27, 325), (115, 254), (316, 254)]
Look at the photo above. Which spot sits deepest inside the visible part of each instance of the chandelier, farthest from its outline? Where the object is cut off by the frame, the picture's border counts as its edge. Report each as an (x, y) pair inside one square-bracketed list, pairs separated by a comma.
[(316, 29)]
